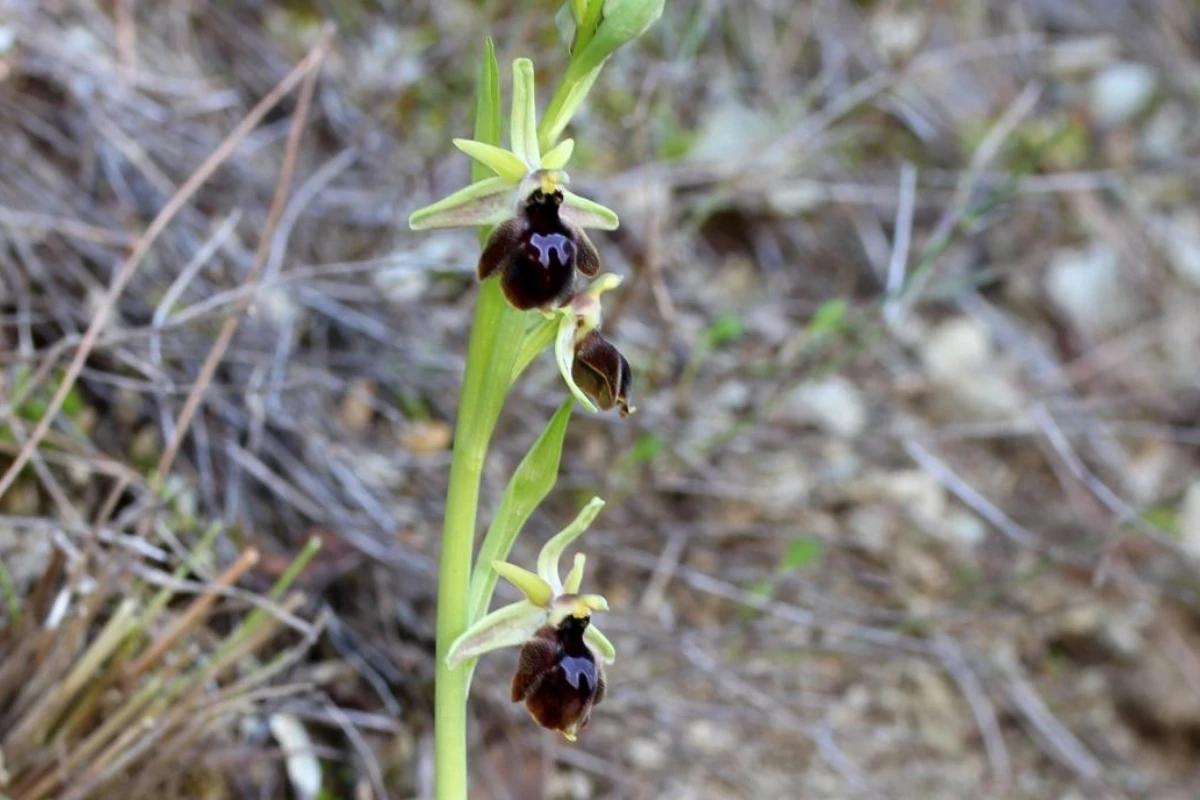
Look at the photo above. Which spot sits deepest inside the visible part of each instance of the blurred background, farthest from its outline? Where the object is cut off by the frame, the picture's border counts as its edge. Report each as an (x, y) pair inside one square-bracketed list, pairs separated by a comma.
[(910, 507)]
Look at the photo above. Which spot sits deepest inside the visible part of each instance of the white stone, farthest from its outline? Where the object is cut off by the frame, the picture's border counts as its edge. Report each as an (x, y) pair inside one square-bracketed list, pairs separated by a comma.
[(1121, 91), (1180, 237), (897, 34), (1086, 287), (1075, 57), (1189, 519), (961, 362), (955, 348), (1162, 136), (835, 405)]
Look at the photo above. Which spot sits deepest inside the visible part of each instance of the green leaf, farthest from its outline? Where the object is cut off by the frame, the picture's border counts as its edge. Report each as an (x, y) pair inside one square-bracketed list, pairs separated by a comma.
[(487, 106), (802, 552), (829, 318), (621, 22), (529, 485), (727, 328), (647, 448)]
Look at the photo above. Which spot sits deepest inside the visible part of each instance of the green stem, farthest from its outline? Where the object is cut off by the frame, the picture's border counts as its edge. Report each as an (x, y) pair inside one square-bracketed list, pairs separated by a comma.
[(495, 339)]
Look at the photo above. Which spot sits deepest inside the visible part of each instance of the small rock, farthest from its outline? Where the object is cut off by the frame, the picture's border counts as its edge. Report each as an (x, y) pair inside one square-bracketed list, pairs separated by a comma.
[(426, 436), (963, 527), (871, 528), (1152, 470), (1189, 520), (834, 405), (960, 361), (1075, 57), (797, 197), (646, 754), (1086, 287), (1121, 91), (915, 491), (1157, 697), (569, 785), (729, 131), (709, 738), (357, 409), (1180, 237), (783, 482), (955, 348), (938, 718), (897, 34), (1162, 136), (1181, 338)]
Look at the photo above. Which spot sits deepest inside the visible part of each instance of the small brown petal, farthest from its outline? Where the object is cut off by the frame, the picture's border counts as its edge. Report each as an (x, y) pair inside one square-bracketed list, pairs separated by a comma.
[(558, 677), (602, 373), (501, 246), (587, 258)]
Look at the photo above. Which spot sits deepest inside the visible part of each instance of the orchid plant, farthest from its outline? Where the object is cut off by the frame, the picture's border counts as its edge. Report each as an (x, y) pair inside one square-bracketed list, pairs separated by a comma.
[(535, 260)]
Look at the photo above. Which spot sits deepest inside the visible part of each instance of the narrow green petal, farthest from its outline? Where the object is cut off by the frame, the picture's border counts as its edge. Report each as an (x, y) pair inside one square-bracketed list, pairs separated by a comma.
[(486, 202), (601, 646), (500, 161), (575, 576), (605, 283), (558, 156), (564, 354), (523, 130), (538, 591), (547, 565), (593, 602), (587, 213), (510, 626)]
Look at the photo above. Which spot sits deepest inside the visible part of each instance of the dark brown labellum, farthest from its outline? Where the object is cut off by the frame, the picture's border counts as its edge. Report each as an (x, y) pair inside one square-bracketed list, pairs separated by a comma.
[(559, 678), (602, 373), (537, 254)]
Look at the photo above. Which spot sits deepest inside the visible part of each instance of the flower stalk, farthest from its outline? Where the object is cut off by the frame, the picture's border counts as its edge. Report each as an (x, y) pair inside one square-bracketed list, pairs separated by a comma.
[(534, 250)]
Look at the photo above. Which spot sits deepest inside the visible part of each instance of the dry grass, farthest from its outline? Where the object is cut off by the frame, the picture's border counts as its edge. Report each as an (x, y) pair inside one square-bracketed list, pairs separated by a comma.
[(896, 517)]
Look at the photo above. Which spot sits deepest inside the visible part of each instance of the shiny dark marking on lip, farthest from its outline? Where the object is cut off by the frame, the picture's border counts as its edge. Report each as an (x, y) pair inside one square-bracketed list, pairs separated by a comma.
[(553, 244)]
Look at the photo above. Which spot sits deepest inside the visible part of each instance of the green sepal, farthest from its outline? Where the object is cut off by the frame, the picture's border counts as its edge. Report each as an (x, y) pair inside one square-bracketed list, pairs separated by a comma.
[(510, 626), (523, 125), (587, 213)]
